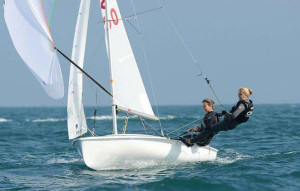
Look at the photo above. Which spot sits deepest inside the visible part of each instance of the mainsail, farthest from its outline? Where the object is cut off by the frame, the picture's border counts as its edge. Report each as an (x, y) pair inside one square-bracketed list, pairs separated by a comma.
[(129, 93), (27, 24), (76, 117)]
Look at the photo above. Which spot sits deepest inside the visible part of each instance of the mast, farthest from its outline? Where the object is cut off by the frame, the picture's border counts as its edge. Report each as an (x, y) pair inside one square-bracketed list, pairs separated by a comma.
[(114, 115)]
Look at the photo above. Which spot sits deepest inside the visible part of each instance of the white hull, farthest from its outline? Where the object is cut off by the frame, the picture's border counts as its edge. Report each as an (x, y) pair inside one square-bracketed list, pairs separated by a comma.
[(108, 152)]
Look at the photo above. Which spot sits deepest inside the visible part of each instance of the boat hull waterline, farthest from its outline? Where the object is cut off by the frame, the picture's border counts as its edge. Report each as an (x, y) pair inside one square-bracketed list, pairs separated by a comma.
[(113, 151)]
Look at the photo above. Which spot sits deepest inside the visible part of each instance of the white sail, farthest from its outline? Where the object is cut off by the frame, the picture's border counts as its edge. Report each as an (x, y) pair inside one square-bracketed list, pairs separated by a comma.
[(76, 118), (27, 24), (129, 93)]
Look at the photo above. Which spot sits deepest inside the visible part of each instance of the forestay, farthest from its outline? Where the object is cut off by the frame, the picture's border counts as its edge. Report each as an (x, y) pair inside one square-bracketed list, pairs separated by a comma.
[(76, 117), (129, 93), (27, 24)]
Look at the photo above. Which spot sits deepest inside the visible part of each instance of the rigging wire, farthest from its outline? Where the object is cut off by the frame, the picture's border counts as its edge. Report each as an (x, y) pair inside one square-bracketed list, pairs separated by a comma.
[(143, 125), (89, 63), (133, 26), (88, 67), (125, 124), (135, 15), (184, 126), (145, 122), (131, 16), (190, 53), (95, 113), (92, 133), (148, 70)]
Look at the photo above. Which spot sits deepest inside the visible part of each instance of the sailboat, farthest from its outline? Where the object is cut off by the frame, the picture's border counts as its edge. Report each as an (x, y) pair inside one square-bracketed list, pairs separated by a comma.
[(127, 88)]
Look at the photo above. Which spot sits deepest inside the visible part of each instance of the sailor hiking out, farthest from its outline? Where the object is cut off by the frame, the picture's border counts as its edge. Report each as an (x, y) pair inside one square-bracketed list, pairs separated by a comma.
[(208, 120), (240, 113)]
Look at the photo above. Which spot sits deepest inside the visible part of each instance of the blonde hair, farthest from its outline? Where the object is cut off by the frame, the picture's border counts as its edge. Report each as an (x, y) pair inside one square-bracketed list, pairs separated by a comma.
[(209, 103), (247, 91)]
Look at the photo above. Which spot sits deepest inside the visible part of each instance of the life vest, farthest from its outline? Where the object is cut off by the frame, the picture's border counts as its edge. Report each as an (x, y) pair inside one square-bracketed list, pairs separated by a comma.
[(207, 117), (245, 115)]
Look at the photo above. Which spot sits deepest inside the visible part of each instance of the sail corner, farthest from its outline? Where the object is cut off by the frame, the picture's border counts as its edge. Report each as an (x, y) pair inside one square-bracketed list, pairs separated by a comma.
[(155, 118)]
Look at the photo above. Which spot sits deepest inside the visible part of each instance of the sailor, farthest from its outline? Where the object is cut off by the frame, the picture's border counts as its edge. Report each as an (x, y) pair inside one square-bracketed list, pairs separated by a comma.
[(208, 120), (240, 113)]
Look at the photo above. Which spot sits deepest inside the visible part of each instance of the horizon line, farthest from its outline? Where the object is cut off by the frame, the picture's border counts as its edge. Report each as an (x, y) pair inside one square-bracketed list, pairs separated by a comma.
[(152, 105)]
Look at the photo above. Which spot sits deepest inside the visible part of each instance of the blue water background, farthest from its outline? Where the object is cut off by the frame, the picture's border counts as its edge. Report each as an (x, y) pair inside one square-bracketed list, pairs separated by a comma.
[(262, 154)]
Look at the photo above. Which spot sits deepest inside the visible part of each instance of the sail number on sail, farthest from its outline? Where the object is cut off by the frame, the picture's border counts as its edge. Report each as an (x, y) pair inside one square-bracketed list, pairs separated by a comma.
[(113, 13)]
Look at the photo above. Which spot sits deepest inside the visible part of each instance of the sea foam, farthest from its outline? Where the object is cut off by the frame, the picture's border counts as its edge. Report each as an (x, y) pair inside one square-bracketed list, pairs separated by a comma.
[(2, 120)]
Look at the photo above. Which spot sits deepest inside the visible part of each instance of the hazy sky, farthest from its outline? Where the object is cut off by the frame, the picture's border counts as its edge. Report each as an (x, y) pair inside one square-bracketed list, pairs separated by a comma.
[(237, 43)]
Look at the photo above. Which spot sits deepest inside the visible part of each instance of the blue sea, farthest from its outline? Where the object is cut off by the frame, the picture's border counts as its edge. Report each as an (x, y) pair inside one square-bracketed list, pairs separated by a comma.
[(262, 154)]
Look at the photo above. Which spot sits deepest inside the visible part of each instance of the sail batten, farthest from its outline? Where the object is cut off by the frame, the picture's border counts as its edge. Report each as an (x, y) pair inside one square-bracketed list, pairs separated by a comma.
[(76, 118), (127, 84)]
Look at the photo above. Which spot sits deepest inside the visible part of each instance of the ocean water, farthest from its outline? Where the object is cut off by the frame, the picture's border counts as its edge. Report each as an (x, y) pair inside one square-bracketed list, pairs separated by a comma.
[(262, 154)]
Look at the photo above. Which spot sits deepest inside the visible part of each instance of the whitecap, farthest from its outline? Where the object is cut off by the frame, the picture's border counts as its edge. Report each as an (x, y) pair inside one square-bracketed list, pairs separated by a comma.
[(234, 156), (291, 152), (48, 120), (168, 117), (109, 117), (62, 161), (2, 120)]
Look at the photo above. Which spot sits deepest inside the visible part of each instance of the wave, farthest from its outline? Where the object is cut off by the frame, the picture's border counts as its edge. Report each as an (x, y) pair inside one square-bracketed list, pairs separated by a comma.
[(2, 120), (109, 117), (62, 161), (97, 118), (168, 117), (233, 156), (48, 120), (276, 154)]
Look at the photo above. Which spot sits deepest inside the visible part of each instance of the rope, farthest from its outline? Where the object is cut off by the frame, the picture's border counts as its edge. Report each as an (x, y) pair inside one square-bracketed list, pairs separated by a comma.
[(125, 124), (147, 11), (152, 127), (95, 113), (51, 38), (183, 126), (148, 70), (190, 53), (133, 26), (92, 133), (89, 64), (51, 13), (143, 125)]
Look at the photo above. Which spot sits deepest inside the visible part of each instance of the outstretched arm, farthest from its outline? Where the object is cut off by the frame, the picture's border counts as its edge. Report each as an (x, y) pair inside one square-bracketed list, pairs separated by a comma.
[(238, 111), (234, 113)]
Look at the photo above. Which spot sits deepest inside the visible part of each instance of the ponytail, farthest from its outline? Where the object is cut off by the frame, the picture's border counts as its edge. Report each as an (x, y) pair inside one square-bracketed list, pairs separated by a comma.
[(247, 91)]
